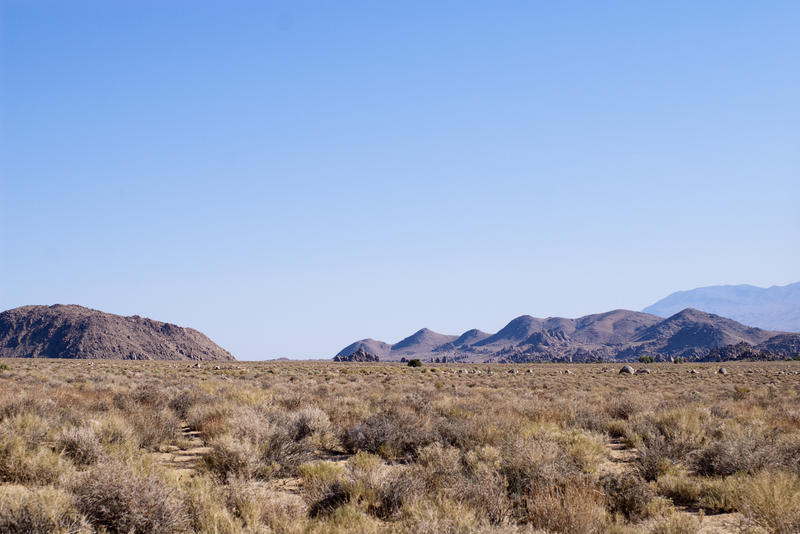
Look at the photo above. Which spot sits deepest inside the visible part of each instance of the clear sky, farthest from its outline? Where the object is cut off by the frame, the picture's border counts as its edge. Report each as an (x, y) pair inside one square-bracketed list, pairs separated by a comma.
[(290, 177)]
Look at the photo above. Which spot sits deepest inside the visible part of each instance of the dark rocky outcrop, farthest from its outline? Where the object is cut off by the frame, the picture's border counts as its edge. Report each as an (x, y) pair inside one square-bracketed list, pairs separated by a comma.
[(70, 331), (360, 355)]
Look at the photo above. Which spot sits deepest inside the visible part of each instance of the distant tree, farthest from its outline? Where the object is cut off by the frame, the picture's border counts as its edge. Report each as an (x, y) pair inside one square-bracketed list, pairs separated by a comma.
[(414, 363), (646, 359)]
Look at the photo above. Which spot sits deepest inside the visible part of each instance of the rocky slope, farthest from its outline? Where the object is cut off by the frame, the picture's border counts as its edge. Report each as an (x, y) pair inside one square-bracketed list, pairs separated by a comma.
[(772, 308), (616, 335), (70, 331)]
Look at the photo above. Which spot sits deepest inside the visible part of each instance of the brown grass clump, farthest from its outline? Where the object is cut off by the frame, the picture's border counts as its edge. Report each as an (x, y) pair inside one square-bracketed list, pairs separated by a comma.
[(771, 499), (575, 505), (39, 511)]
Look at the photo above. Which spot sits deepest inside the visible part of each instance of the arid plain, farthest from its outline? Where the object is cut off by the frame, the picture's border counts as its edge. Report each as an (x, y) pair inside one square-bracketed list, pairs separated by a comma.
[(122, 446)]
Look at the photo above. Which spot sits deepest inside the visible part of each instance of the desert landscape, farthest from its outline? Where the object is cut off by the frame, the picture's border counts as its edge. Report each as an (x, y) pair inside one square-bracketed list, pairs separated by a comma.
[(399, 267), (166, 446)]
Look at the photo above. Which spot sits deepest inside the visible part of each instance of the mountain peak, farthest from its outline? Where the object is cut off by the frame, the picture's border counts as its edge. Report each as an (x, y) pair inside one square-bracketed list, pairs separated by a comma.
[(771, 308)]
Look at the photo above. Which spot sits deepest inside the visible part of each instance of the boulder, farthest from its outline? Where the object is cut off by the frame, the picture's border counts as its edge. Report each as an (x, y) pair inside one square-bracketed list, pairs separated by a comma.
[(722, 371), (643, 371), (627, 370)]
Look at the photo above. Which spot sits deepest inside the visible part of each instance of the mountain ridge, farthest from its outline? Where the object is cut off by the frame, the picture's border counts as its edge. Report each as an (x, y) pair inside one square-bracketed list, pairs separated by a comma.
[(616, 335)]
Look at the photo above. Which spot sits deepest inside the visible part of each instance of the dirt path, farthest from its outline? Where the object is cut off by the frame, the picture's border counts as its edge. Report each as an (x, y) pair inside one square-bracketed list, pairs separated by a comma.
[(620, 460), (620, 457), (184, 460)]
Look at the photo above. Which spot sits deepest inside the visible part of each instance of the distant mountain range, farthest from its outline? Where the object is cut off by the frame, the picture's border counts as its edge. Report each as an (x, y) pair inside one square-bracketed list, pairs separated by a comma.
[(622, 335), (70, 331), (773, 308)]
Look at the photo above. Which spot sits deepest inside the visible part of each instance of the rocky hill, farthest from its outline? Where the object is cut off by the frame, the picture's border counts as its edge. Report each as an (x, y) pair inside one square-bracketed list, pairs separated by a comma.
[(70, 331), (622, 335), (772, 308), (360, 355)]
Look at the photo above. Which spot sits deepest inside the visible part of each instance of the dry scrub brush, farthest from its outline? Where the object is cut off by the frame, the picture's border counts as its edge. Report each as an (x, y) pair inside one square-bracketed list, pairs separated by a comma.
[(322, 447)]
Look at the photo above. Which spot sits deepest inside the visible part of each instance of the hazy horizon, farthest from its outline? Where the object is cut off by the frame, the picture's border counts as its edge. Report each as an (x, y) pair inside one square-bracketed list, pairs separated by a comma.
[(288, 178)]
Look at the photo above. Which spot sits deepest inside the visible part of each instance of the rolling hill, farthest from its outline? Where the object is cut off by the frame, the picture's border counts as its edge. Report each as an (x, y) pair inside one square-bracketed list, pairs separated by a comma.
[(71, 331)]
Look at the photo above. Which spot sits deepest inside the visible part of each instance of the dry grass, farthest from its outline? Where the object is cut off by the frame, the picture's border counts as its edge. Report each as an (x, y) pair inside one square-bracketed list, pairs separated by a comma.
[(325, 448)]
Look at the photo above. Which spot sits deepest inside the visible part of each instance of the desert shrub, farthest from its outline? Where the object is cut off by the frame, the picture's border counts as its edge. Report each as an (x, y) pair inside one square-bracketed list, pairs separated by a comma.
[(183, 402), (317, 476), (81, 444), (720, 495), (458, 432), (111, 496), (26, 403), (531, 462), (440, 515), (438, 467), (653, 459), (331, 497), (117, 435), (737, 450), (258, 506), (771, 499), (364, 482), (680, 489), (208, 419), (281, 453), (627, 494), (586, 450), (684, 429), (308, 422), (573, 505), (625, 406), (30, 464), (232, 457), (392, 433), (205, 504), (414, 363), (39, 511), (483, 487), (155, 427), (591, 418)]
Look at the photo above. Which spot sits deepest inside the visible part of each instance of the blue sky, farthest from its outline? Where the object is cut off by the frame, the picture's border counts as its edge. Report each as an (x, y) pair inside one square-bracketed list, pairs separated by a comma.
[(289, 177)]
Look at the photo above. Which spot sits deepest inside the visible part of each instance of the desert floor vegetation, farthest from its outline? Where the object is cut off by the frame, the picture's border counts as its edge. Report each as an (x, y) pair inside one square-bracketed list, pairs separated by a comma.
[(319, 447)]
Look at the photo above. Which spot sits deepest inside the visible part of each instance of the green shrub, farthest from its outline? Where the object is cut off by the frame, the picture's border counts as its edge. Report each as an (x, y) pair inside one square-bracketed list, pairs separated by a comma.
[(414, 363)]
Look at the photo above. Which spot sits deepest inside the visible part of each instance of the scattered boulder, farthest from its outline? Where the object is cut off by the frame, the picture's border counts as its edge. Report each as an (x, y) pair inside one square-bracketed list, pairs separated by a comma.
[(360, 355), (568, 372), (722, 371), (643, 371), (694, 371), (627, 370)]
